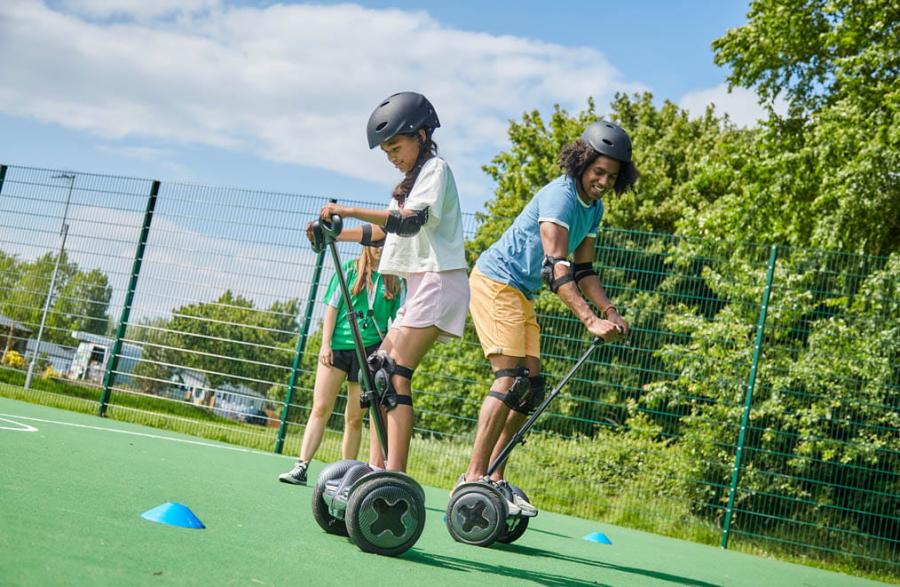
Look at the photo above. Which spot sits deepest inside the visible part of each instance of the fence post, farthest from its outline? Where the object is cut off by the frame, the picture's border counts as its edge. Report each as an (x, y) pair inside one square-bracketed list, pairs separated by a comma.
[(113, 364), (3, 169), (302, 337), (748, 398)]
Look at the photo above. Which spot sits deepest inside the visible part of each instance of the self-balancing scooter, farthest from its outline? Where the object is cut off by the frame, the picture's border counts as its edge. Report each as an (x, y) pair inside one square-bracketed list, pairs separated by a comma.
[(478, 513), (381, 511)]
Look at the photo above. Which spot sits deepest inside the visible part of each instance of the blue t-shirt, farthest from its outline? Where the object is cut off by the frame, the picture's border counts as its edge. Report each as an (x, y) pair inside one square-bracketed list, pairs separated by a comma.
[(517, 257)]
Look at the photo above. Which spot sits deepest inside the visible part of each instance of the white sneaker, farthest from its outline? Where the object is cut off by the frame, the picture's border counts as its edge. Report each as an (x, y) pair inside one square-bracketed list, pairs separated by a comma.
[(525, 508), (514, 502)]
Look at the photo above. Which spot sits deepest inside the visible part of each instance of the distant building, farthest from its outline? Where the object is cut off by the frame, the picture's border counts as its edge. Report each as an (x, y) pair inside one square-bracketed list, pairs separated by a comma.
[(235, 402), (239, 402), (189, 386), (60, 357), (92, 358)]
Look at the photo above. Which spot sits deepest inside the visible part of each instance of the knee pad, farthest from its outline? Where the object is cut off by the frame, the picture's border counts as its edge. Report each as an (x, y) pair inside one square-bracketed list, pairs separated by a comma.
[(535, 395), (519, 389), (383, 366)]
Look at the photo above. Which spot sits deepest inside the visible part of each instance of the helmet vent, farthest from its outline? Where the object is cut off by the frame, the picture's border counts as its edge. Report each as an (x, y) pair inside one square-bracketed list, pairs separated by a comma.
[(380, 127), (608, 142), (385, 103)]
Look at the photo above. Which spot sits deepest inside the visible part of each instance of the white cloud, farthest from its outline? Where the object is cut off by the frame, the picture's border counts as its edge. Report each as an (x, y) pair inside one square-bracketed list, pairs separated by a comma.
[(291, 83), (741, 105), (140, 10)]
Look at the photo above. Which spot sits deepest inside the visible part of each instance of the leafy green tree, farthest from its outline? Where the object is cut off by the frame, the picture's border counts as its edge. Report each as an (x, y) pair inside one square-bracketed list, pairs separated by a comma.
[(686, 163), (228, 340), (80, 299), (825, 175), (81, 305)]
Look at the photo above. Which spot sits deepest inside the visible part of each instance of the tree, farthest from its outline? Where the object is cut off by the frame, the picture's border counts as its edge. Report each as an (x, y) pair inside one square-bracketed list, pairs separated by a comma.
[(79, 300), (825, 175), (81, 305), (685, 164), (228, 340)]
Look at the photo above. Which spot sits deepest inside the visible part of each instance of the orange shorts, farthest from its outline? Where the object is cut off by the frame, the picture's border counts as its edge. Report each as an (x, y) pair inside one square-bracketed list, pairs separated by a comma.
[(504, 318)]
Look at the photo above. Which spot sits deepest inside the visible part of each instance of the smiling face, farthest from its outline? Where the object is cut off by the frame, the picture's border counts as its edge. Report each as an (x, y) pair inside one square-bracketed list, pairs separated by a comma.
[(598, 178), (403, 150)]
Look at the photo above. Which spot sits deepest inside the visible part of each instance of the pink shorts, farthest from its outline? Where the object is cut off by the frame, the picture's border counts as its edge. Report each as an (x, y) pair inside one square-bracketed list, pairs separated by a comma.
[(436, 298)]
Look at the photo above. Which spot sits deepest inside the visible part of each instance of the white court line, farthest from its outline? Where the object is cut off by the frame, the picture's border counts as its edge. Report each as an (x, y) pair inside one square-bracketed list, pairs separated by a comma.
[(144, 434), (17, 426)]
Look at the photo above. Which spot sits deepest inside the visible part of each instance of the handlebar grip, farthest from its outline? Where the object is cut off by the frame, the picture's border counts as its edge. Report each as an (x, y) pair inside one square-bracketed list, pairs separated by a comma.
[(333, 228)]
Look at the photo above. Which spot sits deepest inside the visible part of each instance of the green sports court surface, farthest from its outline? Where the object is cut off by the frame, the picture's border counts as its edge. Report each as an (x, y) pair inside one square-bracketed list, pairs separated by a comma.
[(72, 488)]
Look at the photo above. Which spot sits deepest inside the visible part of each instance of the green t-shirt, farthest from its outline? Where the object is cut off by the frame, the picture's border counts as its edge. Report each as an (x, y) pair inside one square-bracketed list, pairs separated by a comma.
[(382, 310)]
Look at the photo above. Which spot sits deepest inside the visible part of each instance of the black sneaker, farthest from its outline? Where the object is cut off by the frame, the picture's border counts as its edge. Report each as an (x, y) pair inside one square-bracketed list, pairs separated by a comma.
[(296, 476)]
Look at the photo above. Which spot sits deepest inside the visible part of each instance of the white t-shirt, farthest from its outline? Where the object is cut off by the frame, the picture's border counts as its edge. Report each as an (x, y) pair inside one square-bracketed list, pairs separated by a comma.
[(439, 245)]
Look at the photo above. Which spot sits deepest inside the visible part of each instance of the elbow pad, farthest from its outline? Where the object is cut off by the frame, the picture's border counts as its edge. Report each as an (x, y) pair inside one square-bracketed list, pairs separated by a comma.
[(402, 225), (547, 273), (366, 239)]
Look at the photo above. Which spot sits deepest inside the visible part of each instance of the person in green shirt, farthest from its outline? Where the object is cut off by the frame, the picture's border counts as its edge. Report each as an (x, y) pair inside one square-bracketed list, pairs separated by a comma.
[(376, 299)]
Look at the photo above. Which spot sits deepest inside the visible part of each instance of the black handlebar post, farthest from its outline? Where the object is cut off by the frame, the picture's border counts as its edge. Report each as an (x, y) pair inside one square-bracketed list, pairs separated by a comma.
[(329, 233)]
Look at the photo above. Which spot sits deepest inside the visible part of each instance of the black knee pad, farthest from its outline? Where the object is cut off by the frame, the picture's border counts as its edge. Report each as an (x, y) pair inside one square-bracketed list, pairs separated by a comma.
[(534, 397), (382, 367), (519, 389)]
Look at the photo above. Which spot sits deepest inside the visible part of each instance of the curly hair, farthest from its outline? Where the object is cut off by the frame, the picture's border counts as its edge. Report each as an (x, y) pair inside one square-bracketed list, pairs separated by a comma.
[(577, 156), (427, 149)]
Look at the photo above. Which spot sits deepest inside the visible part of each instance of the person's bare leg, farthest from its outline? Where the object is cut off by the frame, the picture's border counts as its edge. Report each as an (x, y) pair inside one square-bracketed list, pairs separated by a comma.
[(328, 384), (376, 454), (352, 423), (408, 348), (514, 422), (491, 418)]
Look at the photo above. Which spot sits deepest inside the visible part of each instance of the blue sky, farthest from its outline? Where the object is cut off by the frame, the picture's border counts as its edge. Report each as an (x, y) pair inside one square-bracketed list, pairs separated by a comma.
[(275, 96)]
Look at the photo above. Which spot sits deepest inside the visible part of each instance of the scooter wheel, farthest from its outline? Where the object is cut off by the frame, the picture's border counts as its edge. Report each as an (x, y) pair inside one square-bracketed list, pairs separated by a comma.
[(476, 514), (514, 526), (386, 514), (332, 472)]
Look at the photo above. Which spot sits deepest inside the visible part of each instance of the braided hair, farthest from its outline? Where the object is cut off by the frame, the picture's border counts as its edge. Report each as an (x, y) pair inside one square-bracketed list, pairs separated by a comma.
[(427, 149)]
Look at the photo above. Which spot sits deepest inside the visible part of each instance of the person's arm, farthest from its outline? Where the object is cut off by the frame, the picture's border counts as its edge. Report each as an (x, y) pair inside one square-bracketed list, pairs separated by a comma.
[(555, 240), (326, 356), (591, 285), (378, 219)]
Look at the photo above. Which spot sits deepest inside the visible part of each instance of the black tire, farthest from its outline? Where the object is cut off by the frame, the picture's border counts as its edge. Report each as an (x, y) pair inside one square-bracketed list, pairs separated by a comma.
[(476, 514), (386, 515), (516, 526), (320, 511)]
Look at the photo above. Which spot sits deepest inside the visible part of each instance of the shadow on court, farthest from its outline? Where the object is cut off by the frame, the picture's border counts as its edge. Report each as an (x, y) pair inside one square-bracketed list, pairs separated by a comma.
[(529, 551), (469, 566), (464, 565)]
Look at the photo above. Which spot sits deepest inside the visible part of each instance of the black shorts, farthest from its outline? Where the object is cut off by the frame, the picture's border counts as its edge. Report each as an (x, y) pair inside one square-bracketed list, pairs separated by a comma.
[(345, 360)]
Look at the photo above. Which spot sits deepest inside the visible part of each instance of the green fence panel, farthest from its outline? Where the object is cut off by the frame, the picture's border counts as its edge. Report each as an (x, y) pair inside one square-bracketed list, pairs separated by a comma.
[(659, 432)]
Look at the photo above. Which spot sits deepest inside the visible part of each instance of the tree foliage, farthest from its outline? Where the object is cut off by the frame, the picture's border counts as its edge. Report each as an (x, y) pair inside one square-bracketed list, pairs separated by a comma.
[(79, 300), (228, 340)]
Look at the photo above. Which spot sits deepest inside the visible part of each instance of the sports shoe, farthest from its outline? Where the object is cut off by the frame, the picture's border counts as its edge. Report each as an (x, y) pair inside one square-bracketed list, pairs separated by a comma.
[(296, 476), (514, 502)]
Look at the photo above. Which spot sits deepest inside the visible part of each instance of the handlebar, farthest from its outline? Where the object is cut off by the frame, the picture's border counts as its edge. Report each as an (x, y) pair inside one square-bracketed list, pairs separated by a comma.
[(324, 233)]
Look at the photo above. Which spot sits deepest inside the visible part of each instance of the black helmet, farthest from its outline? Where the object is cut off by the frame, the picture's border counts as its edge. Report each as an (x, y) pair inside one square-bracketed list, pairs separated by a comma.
[(608, 139), (405, 112)]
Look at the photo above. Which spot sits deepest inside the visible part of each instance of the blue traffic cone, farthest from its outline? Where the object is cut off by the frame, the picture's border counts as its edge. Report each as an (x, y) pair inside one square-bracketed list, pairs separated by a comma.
[(173, 514), (599, 537)]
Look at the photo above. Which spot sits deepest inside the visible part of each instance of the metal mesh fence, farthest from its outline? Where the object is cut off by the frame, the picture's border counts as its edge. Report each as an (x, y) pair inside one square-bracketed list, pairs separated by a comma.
[(755, 403)]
